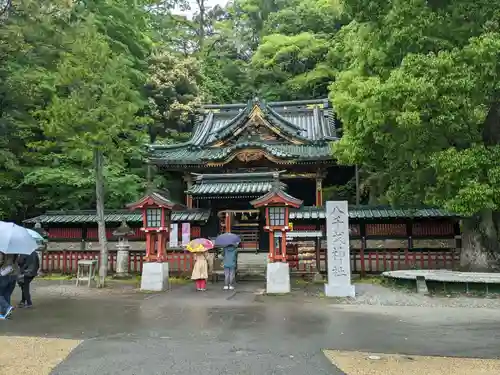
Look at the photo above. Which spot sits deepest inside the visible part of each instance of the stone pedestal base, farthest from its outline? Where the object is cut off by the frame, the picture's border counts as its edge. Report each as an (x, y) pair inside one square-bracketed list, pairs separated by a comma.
[(154, 277), (278, 278), (340, 290), (122, 258), (318, 278)]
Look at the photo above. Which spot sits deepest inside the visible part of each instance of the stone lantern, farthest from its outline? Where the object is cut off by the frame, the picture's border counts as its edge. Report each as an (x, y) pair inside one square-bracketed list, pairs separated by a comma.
[(156, 217), (276, 204), (122, 256)]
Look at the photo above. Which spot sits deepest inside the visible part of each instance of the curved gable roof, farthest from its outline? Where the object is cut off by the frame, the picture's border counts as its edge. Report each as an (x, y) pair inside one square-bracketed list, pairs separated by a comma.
[(311, 121)]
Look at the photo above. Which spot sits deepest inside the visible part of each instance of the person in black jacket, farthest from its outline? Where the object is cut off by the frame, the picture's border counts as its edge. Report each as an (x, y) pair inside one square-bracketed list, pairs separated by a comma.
[(28, 267)]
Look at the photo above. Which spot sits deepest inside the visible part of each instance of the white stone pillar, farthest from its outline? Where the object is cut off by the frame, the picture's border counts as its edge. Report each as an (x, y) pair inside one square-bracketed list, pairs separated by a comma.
[(338, 252), (278, 278), (278, 273), (155, 277)]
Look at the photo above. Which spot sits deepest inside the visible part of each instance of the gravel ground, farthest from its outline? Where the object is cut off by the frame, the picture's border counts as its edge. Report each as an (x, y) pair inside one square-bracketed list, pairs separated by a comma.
[(380, 295), (370, 294), (32, 355), (68, 288), (366, 294), (358, 363)]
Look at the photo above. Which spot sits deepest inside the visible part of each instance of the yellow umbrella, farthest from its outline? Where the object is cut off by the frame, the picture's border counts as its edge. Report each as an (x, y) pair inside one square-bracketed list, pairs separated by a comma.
[(199, 245)]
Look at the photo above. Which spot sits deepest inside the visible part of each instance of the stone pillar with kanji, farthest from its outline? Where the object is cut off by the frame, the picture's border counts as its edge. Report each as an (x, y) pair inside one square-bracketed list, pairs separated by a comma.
[(276, 205), (156, 211)]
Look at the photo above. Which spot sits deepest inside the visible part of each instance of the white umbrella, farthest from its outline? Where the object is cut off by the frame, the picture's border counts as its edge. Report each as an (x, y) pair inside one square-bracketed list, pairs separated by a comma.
[(36, 236), (16, 240)]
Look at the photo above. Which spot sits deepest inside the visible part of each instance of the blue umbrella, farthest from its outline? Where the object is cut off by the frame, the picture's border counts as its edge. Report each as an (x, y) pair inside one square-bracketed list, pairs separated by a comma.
[(227, 239), (15, 239), (36, 236)]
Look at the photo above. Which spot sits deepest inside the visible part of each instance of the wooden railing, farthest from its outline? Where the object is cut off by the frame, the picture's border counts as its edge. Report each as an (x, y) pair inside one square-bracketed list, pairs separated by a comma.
[(66, 261), (368, 261)]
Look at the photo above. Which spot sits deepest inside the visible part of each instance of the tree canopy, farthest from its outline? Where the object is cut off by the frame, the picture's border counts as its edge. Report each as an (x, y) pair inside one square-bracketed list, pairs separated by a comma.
[(414, 85), (417, 92)]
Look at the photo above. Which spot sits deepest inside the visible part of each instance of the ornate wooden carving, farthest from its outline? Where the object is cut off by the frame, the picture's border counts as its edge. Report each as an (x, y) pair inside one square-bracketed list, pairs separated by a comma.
[(250, 155), (257, 132)]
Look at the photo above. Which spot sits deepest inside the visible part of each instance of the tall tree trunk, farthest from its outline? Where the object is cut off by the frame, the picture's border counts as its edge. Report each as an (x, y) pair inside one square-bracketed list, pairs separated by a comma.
[(481, 234), (101, 224), (201, 27), (480, 243), (149, 177)]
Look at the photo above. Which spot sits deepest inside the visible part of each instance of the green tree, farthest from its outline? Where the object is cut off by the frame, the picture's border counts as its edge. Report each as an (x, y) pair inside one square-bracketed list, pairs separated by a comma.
[(92, 114), (292, 67), (292, 60), (173, 92), (29, 42), (418, 98)]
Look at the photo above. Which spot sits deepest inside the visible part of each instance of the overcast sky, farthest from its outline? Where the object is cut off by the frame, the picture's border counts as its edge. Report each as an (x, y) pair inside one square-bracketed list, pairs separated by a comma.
[(210, 3)]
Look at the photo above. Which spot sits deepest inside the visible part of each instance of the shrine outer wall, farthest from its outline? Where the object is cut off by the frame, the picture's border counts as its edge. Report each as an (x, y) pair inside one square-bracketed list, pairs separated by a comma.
[(375, 247)]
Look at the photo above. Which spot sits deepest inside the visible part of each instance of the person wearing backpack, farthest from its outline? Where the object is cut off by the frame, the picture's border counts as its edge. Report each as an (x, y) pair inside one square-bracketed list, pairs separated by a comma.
[(28, 266)]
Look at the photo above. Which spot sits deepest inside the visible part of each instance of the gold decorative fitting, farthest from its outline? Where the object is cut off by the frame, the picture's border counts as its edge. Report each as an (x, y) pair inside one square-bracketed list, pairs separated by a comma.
[(246, 156), (258, 126)]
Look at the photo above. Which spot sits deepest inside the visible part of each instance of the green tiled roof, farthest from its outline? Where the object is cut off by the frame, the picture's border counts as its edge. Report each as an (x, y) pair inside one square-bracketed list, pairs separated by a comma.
[(70, 217), (241, 184), (184, 155), (277, 192), (366, 213), (312, 123), (313, 120), (199, 215)]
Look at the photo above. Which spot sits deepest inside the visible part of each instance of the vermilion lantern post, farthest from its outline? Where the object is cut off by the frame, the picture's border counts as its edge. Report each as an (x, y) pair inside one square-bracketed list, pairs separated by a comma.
[(277, 204), (156, 218)]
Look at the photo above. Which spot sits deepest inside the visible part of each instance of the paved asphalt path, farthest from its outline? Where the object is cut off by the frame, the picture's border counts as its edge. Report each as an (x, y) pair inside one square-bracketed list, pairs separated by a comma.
[(216, 333)]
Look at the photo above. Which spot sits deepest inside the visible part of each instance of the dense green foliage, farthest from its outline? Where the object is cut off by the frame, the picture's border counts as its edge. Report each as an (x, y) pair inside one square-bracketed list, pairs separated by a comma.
[(418, 93), (414, 83)]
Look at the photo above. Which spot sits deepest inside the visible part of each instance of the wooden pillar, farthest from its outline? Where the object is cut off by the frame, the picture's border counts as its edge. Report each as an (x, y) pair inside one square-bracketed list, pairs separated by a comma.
[(271, 246), (228, 221), (319, 189), (149, 246), (318, 254), (362, 232), (189, 183), (161, 237), (409, 235), (83, 243), (283, 246), (458, 244)]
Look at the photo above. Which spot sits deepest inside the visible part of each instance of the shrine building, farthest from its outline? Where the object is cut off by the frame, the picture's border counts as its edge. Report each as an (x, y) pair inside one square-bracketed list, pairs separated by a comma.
[(239, 154)]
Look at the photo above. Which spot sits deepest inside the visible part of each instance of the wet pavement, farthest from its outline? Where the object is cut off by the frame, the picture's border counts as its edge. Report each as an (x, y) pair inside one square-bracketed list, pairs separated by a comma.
[(184, 332)]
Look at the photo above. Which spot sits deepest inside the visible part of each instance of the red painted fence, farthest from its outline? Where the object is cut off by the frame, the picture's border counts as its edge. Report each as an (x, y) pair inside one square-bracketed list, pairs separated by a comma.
[(66, 261), (378, 261), (67, 234), (364, 262)]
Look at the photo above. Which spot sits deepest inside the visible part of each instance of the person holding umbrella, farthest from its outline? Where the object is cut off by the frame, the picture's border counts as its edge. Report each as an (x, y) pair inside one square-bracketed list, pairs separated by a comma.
[(8, 276), (14, 240), (28, 270), (199, 247), (229, 243)]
